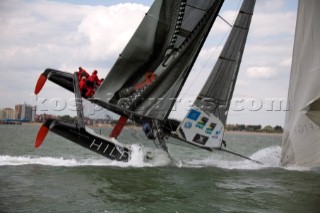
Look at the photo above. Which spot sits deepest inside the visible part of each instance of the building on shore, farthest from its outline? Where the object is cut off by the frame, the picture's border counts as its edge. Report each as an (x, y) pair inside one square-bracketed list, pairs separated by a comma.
[(25, 112), (21, 113), (7, 113)]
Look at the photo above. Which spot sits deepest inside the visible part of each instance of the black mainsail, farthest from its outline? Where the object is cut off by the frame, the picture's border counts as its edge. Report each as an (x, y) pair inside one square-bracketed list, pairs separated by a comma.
[(165, 46)]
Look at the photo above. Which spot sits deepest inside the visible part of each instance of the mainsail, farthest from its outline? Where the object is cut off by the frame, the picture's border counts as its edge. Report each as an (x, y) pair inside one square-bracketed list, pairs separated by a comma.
[(301, 138), (150, 72), (204, 124)]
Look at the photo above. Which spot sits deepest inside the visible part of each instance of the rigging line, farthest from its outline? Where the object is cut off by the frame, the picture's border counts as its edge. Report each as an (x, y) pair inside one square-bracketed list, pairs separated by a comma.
[(242, 156), (224, 150), (224, 20), (235, 15)]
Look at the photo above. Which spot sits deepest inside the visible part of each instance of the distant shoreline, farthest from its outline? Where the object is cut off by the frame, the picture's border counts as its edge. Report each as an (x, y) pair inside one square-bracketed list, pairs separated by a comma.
[(139, 127), (92, 126), (253, 133)]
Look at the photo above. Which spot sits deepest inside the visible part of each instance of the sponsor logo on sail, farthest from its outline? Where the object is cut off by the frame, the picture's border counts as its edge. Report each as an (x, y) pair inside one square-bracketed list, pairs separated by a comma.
[(193, 115), (188, 125)]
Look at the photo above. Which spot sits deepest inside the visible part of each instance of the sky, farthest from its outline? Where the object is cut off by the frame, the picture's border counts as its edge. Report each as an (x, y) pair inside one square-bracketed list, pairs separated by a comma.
[(66, 34)]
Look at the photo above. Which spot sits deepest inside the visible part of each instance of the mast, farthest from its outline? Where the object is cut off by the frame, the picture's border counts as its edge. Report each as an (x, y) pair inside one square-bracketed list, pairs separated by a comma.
[(78, 99)]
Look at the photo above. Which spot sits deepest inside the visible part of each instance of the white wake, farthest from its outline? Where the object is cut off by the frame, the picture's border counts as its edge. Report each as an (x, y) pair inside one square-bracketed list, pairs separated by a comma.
[(137, 160), (269, 157)]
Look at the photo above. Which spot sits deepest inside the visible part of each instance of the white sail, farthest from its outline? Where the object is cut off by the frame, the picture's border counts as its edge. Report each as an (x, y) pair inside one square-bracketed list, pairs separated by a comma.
[(301, 139)]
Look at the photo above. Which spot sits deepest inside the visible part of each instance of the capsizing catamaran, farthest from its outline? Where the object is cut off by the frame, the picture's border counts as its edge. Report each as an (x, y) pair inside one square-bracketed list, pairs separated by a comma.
[(149, 74)]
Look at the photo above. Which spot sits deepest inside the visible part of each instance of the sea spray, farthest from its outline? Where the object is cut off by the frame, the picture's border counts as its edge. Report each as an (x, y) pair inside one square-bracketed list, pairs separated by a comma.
[(269, 156), (138, 159)]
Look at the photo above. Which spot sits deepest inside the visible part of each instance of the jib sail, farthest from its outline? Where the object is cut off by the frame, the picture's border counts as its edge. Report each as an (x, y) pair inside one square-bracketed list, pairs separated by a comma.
[(216, 94)]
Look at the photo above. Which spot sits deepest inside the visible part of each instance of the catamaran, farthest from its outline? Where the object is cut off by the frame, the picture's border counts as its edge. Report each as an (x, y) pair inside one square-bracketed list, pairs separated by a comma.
[(147, 78)]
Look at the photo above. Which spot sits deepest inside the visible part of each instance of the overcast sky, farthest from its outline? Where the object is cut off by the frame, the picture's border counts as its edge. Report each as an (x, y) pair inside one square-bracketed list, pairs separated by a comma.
[(66, 34)]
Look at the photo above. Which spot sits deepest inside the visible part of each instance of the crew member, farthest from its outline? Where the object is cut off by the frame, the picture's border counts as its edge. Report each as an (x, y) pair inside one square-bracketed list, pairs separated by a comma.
[(84, 89), (93, 80), (148, 130), (81, 73)]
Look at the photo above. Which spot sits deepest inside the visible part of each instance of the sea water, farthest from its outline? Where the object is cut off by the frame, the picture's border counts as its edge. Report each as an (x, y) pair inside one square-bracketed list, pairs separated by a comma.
[(61, 176)]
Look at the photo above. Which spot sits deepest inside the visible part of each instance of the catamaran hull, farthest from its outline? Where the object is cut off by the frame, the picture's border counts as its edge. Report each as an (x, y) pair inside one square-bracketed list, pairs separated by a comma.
[(108, 148), (63, 79)]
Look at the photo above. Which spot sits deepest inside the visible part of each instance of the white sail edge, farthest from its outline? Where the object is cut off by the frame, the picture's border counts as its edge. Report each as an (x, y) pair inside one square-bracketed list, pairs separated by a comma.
[(300, 141)]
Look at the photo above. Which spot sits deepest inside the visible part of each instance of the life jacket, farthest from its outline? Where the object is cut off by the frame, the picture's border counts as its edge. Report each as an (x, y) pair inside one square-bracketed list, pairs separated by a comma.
[(83, 84), (82, 73), (85, 90), (94, 79)]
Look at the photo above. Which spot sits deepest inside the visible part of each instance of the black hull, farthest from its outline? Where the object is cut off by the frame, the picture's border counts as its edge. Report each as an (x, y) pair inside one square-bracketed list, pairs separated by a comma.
[(63, 79), (91, 141)]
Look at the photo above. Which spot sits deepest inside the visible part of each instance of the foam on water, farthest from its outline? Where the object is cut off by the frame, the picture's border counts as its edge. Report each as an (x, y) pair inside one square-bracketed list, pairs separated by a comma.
[(159, 158), (269, 157), (137, 160), (6, 160)]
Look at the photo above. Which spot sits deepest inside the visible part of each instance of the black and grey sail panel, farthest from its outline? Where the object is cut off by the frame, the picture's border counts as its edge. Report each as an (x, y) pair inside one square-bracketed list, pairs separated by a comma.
[(217, 92), (151, 70)]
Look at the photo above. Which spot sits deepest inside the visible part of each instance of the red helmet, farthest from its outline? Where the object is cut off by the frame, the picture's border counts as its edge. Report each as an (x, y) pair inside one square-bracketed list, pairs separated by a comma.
[(95, 71)]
